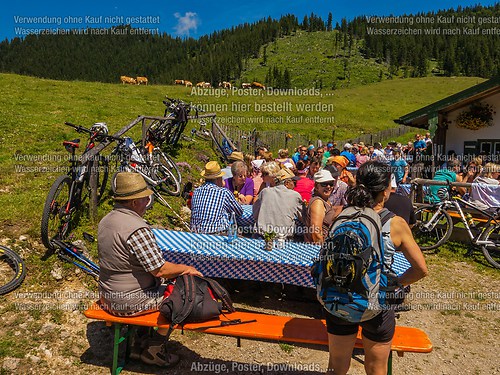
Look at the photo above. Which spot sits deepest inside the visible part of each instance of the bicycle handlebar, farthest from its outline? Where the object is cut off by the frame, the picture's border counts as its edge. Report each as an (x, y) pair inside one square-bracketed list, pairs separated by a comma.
[(78, 128)]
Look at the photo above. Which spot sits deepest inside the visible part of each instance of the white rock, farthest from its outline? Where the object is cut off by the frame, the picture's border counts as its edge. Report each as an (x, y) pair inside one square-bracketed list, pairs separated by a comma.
[(23, 238), (47, 353), (47, 328), (34, 358), (56, 273), (10, 363)]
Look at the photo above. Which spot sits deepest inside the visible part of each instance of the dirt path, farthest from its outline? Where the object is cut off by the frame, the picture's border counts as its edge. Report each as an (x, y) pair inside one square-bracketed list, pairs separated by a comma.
[(457, 306)]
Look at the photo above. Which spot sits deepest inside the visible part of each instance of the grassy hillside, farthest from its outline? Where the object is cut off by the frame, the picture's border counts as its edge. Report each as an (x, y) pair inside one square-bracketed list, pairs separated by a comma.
[(314, 59), (34, 110)]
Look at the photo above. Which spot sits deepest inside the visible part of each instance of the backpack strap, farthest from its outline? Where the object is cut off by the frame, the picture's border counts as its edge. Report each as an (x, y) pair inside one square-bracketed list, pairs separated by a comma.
[(189, 291), (221, 293), (386, 215)]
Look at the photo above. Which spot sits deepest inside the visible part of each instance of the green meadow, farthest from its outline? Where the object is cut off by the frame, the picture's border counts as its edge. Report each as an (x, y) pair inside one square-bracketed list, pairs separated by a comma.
[(33, 112)]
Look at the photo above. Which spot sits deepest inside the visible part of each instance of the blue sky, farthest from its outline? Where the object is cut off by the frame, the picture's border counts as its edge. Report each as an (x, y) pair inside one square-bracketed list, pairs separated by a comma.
[(195, 18)]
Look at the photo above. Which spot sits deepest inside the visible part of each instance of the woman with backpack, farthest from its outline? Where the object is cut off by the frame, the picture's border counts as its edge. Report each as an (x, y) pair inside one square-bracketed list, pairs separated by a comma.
[(372, 189)]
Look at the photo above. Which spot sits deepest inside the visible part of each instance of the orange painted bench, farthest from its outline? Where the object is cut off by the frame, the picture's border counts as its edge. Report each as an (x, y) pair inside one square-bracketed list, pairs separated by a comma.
[(265, 327)]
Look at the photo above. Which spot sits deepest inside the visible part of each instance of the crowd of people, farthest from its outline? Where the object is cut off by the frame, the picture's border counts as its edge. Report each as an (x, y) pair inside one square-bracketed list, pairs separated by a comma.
[(321, 177), (305, 189)]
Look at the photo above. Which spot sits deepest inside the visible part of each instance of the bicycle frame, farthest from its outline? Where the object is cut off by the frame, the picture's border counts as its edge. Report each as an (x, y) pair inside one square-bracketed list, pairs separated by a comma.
[(71, 254), (456, 203)]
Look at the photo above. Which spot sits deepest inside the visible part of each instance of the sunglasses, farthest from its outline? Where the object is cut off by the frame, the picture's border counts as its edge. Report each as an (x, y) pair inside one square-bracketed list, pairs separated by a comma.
[(325, 184)]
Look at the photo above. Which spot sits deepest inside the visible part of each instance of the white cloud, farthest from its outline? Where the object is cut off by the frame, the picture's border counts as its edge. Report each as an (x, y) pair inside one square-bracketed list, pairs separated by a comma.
[(189, 21)]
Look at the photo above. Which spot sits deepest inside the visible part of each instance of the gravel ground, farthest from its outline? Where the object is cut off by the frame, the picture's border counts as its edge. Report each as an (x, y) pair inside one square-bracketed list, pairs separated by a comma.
[(456, 305)]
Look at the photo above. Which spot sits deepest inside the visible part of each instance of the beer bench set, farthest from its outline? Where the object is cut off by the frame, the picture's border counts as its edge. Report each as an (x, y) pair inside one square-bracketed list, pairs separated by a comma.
[(259, 327)]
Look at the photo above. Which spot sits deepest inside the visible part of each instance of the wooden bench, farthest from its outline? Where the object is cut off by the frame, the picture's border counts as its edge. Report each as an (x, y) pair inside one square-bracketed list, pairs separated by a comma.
[(265, 327)]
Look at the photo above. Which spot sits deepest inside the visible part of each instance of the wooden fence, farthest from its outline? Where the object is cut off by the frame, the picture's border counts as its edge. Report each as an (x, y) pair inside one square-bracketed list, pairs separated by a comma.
[(248, 141)]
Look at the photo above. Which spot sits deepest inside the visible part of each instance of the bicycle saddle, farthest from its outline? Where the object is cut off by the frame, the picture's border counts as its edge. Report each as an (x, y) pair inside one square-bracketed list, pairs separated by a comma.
[(71, 145)]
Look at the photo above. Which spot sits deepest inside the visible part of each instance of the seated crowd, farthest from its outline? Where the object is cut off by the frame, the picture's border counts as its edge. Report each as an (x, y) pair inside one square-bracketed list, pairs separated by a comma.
[(304, 191)]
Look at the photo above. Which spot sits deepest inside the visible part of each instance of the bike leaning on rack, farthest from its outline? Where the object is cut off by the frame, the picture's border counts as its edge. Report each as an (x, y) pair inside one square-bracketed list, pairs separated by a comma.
[(434, 226), (149, 162), (69, 192)]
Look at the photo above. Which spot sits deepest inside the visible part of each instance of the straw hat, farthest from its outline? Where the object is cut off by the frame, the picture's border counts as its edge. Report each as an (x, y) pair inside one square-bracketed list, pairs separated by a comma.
[(130, 185), (236, 155), (285, 174), (212, 171)]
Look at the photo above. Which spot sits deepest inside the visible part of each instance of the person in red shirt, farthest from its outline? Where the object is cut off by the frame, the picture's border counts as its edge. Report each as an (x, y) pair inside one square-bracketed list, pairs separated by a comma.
[(304, 186)]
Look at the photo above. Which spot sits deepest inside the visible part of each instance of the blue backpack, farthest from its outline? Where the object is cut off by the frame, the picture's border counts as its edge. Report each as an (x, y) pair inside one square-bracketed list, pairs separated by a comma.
[(350, 276)]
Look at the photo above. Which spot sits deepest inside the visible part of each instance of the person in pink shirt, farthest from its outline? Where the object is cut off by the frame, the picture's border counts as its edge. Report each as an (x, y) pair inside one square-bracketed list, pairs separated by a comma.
[(304, 186)]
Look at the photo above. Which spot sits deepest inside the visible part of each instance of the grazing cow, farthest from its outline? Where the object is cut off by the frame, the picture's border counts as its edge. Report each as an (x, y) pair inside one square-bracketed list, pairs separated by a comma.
[(200, 84), (179, 82), (142, 80), (225, 85), (257, 85), (246, 85), (207, 85), (129, 80), (188, 83)]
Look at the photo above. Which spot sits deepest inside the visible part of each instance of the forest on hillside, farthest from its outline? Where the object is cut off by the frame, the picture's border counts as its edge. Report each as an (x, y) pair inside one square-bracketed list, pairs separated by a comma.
[(222, 55)]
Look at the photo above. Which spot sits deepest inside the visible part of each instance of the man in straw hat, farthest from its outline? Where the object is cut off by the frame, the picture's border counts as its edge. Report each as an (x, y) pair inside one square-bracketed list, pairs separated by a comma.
[(277, 207), (212, 204), (132, 265), (235, 156)]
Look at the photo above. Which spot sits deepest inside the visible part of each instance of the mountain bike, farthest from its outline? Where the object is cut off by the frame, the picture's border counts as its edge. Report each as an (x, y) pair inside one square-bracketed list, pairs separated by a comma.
[(151, 163), (169, 130), (71, 253), (434, 226), (69, 192), (12, 270)]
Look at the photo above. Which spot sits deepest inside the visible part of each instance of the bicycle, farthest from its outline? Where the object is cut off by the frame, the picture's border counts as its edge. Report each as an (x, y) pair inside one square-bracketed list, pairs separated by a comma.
[(12, 270), (170, 129), (157, 174), (202, 133), (434, 226), (71, 253), (69, 192)]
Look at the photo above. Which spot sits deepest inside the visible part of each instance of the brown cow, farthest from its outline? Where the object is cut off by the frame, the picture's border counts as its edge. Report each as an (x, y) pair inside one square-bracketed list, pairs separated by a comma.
[(188, 83), (129, 80), (200, 84), (257, 85), (225, 85), (179, 82), (142, 80), (207, 85), (246, 85)]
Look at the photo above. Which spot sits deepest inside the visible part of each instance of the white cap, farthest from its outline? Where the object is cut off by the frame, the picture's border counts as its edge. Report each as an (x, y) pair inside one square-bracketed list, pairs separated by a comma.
[(323, 176), (348, 146), (257, 163)]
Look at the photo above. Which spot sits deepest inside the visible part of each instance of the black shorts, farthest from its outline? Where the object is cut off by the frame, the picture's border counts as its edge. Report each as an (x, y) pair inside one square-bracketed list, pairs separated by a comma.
[(378, 329)]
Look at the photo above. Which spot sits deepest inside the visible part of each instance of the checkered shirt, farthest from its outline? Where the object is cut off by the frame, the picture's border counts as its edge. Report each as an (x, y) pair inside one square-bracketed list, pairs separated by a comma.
[(142, 244), (211, 207)]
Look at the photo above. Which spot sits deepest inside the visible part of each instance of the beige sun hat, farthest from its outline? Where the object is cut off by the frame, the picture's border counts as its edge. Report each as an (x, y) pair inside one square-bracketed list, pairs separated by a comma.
[(236, 155), (130, 185), (212, 171)]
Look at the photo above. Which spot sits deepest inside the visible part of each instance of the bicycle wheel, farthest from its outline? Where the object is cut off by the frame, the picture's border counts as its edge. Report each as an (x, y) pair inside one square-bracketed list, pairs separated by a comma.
[(431, 237), (167, 161), (492, 252), (169, 183), (55, 219), (12, 270)]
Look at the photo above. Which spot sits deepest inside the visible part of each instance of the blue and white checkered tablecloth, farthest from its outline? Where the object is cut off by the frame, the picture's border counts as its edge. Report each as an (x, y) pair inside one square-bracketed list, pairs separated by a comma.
[(246, 219), (245, 258)]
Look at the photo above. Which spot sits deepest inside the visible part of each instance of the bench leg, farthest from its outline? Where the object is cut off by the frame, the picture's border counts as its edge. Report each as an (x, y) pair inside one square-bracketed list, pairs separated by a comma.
[(389, 364), (116, 350)]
